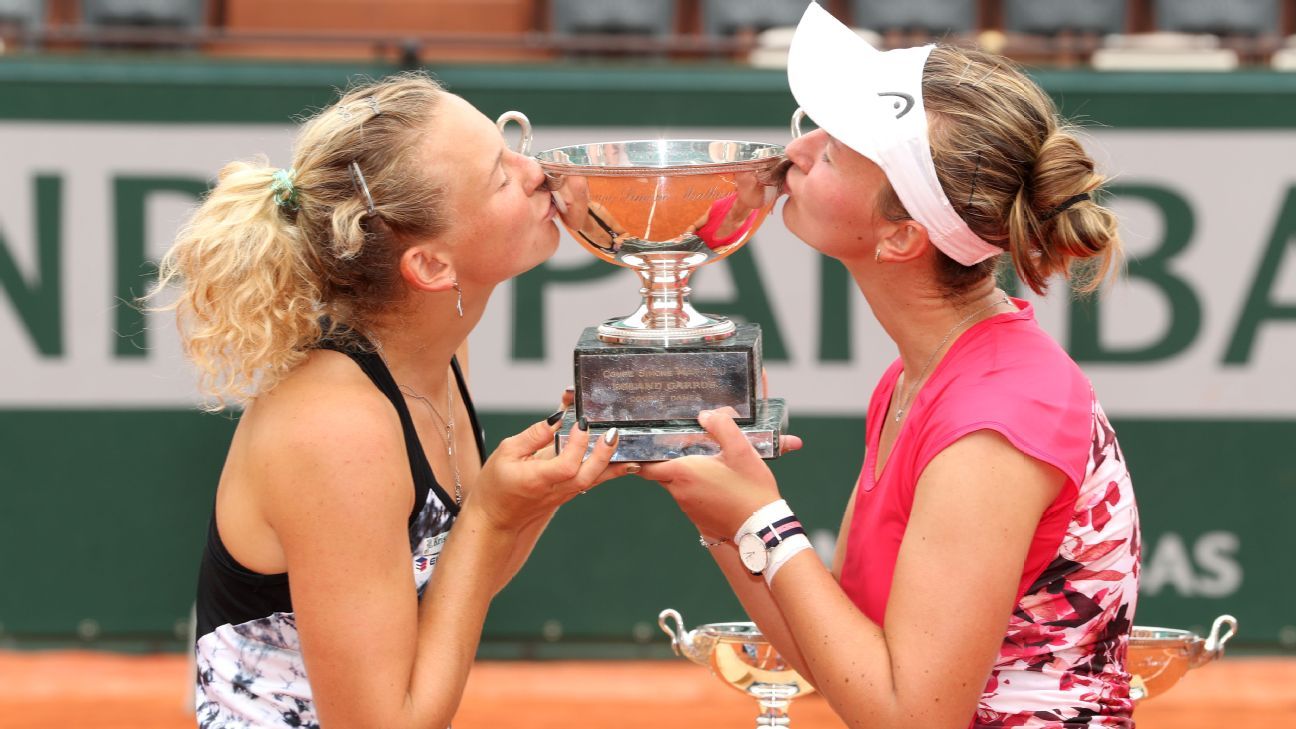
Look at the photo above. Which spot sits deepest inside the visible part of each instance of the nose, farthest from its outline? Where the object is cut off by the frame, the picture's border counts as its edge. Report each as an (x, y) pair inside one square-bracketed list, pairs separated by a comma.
[(802, 151), (530, 172)]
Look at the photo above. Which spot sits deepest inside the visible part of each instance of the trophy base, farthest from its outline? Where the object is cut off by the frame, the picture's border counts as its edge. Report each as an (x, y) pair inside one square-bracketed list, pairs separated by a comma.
[(664, 442)]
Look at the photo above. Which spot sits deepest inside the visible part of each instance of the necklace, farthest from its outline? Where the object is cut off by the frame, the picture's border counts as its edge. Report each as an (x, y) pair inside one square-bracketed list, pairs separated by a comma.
[(448, 437), (913, 388)]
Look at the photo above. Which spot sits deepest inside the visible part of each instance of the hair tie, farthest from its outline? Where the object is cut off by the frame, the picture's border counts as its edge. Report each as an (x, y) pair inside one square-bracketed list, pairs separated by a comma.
[(1065, 204), (283, 189)]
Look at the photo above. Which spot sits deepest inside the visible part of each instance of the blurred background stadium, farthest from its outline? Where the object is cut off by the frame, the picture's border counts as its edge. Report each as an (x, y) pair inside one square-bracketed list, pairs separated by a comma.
[(116, 114)]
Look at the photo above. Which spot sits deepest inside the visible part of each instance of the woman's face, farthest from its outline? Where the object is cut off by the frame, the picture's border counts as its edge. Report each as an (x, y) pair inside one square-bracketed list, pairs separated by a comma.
[(833, 194), (501, 213)]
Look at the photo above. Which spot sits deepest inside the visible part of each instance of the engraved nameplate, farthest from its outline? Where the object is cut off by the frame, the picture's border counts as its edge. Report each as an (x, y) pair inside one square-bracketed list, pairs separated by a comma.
[(624, 387)]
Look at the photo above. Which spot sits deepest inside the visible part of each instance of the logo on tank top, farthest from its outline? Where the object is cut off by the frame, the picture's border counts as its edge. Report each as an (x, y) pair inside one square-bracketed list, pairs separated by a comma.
[(428, 553)]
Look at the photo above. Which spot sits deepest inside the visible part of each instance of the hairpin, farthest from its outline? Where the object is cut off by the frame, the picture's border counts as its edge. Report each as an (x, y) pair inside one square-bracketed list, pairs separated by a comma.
[(358, 178)]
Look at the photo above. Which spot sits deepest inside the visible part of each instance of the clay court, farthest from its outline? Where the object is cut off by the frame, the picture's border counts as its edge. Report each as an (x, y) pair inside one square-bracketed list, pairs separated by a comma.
[(110, 691)]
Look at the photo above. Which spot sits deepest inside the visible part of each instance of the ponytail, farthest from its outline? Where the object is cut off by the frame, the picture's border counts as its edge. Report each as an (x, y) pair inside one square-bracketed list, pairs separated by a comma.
[(1055, 227), (249, 304)]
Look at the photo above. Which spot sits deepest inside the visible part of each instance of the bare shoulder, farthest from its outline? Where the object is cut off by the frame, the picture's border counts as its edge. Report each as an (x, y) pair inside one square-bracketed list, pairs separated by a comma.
[(984, 467), (325, 433)]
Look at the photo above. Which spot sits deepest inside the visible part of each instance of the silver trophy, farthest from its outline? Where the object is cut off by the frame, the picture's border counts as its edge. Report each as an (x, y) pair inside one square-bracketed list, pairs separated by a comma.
[(662, 208), (739, 655), (1159, 657)]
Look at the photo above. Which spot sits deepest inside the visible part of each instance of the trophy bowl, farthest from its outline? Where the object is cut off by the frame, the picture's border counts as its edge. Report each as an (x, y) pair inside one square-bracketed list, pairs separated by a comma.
[(664, 207), (1158, 657), (739, 655)]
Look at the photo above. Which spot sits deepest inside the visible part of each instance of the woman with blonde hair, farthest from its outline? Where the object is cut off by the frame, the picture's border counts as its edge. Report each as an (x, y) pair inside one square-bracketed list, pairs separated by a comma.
[(987, 566), (357, 537)]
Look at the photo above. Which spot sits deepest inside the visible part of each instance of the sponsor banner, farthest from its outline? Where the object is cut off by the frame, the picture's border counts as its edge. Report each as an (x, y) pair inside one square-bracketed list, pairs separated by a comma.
[(1203, 324)]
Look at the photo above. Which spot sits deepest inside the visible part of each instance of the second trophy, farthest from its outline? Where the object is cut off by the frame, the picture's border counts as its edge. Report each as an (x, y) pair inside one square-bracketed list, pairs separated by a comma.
[(664, 207)]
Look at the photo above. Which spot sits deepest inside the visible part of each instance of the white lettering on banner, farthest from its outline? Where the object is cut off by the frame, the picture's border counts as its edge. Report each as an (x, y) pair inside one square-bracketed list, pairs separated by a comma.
[(1190, 361), (1213, 569)]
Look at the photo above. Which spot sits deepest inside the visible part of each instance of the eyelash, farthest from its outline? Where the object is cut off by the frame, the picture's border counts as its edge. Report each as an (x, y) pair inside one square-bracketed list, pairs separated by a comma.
[(506, 181)]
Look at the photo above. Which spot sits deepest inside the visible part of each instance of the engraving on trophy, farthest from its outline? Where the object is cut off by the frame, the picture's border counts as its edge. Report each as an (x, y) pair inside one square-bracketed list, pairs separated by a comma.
[(642, 385), (661, 387)]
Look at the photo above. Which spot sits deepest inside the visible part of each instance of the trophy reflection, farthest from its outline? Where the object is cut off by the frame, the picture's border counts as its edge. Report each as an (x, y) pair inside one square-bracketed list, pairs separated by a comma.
[(662, 208), (739, 655)]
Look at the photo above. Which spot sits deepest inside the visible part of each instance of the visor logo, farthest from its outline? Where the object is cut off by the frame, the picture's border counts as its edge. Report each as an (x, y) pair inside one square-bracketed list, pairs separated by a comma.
[(907, 100)]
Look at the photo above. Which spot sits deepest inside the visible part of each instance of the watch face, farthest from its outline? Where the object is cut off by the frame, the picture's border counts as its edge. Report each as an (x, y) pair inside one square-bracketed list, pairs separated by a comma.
[(751, 550)]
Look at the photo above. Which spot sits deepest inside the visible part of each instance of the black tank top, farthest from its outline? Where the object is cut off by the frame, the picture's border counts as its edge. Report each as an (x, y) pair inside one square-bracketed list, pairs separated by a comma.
[(246, 630)]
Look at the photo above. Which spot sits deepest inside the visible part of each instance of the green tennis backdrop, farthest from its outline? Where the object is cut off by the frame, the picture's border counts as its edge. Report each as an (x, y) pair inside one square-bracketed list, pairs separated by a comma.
[(107, 471)]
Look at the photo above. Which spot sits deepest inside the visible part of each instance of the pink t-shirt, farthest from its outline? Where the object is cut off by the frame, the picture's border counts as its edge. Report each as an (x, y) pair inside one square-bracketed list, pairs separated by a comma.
[(1063, 657)]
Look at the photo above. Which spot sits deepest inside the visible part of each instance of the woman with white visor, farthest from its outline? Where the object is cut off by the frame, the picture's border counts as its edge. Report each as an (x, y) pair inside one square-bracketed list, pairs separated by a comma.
[(987, 567)]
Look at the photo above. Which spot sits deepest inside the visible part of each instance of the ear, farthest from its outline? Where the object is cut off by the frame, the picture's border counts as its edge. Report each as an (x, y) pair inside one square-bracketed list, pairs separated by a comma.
[(427, 269), (902, 240)]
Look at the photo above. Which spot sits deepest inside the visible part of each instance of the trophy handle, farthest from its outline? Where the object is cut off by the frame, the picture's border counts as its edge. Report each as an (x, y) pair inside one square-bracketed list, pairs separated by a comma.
[(677, 633), (797, 117), (524, 143), (1215, 642)]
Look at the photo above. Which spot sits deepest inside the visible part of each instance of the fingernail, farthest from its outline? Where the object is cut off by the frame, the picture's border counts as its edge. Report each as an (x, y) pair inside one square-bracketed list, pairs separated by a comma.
[(583, 423), (556, 416), (633, 468), (569, 388), (610, 436)]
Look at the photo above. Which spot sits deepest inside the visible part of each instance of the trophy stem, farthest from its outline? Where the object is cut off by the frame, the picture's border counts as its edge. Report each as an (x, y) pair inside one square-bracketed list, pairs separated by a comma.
[(666, 317), (774, 700)]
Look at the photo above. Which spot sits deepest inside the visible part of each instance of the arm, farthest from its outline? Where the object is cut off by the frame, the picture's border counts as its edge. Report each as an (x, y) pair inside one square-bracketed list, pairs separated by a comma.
[(756, 599), (760, 606), (339, 501), (928, 665)]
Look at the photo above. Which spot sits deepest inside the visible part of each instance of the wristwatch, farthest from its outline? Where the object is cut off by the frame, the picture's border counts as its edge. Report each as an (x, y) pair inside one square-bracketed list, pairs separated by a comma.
[(754, 547)]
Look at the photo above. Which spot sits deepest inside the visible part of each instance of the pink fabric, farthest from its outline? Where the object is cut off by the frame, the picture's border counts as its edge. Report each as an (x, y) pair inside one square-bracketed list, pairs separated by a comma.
[(715, 218), (1007, 375)]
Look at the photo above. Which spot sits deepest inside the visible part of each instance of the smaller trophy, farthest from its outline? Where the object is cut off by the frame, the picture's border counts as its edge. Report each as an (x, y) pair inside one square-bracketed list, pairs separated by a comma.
[(739, 655), (1159, 657)]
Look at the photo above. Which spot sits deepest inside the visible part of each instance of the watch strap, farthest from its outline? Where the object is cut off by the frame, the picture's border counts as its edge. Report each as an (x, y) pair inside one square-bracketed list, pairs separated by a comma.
[(779, 530), (763, 517), (786, 550)]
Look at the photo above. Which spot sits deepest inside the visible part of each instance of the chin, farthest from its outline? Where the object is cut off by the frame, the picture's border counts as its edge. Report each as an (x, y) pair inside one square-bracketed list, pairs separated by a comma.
[(540, 251)]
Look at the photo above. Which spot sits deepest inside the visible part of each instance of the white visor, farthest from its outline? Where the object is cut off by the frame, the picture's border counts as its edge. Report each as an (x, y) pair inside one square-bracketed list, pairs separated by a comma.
[(871, 101)]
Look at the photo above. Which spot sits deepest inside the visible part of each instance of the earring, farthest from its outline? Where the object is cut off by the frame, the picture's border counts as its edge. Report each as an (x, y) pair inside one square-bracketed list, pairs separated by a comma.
[(458, 299), (877, 255)]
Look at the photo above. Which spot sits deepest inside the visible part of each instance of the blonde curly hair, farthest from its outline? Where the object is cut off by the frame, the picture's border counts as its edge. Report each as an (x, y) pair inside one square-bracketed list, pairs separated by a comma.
[(262, 280)]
